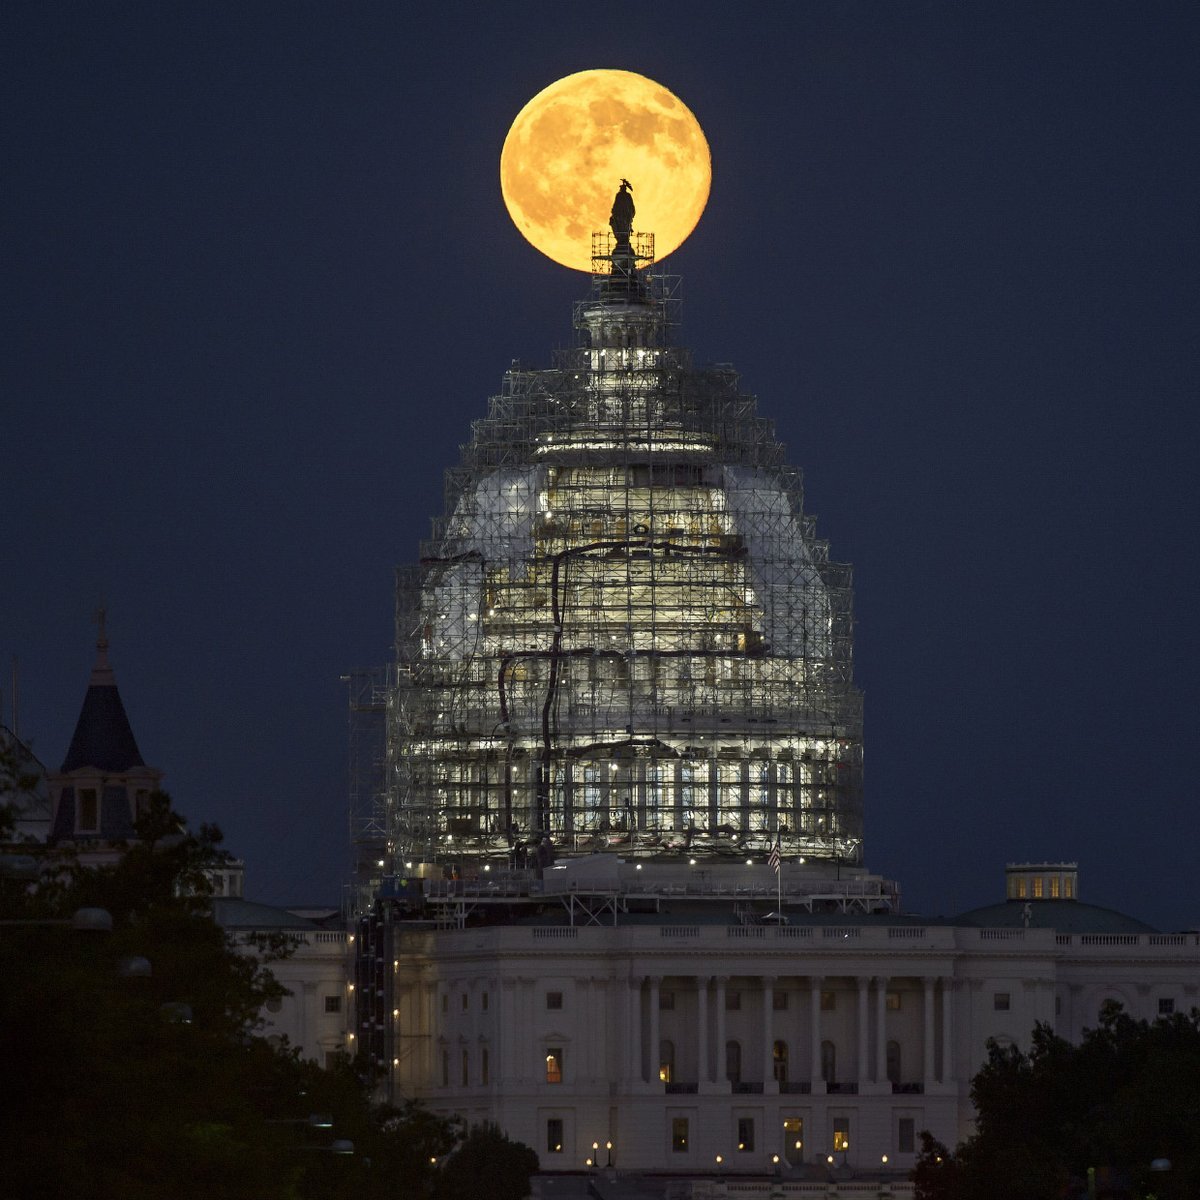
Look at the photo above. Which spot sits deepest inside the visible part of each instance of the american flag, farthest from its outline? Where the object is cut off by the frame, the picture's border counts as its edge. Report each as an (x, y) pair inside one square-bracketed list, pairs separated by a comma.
[(774, 860)]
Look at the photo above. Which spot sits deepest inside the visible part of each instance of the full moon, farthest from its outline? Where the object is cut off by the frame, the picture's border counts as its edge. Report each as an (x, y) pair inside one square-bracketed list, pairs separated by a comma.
[(574, 142)]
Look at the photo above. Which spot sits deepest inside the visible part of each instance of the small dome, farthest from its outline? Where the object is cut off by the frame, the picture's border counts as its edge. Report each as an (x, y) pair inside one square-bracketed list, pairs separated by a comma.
[(1063, 916)]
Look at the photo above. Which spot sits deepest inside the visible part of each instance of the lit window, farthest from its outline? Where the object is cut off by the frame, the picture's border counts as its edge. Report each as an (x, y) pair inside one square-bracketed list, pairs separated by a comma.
[(828, 1001), (779, 1062), (1001, 1001), (1039, 887), (666, 1001), (554, 1135), (666, 1061), (1055, 887), (679, 1134), (1022, 890), (554, 1064), (1069, 888), (554, 1000), (906, 1135), (745, 1135), (841, 1133), (1166, 1006), (892, 1001), (333, 1004)]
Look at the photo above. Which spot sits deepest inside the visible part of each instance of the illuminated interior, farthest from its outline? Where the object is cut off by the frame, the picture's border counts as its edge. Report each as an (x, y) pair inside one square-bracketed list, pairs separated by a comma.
[(624, 634)]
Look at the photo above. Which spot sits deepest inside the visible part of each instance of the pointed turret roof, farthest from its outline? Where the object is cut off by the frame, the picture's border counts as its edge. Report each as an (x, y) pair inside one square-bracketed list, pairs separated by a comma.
[(103, 738)]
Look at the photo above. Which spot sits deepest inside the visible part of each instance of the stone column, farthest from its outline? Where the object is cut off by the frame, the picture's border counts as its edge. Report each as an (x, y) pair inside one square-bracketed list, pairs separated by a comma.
[(770, 1086), (816, 1084), (655, 1039), (864, 1074), (881, 1029), (948, 989), (719, 1000), (703, 1074), (927, 1057), (433, 1020), (633, 1051)]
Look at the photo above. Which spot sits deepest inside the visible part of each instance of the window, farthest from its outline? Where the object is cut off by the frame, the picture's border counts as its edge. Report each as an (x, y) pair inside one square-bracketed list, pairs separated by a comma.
[(841, 1133), (666, 1061), (445, 1068), (141, 803), (483, 1002), (779, 1062), (666, 1001), (779, 1001), (733, 1001), (893, 1062), (1039, 888), (275, 1004), (333, 1004), (793, 1137), (483, 1066), (828, 1001), (745, 1135), (733, 1062), (829, 1062), (1055, 887), (906, 1135), (554, 1064), (892, 1001), (445, 1003), (1166, 1006), (1069, 888), (466, 1001), (554, 1135), (1058, 1006), (1001, 1001), (679, 1135), (89, 811), (554, 1000), (1022, 890)]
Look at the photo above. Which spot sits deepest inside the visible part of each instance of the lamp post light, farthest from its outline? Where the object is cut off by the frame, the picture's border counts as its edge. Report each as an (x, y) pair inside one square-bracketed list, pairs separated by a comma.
[(608, 1147)]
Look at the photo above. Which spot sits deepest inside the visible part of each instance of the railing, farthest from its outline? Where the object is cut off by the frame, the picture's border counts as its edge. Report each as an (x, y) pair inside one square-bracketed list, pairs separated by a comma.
[(1002, 935), (794, 931), (1109, 939), (554, 931), (744, 931), (842, 1089), (682, 1089), (842, 932), (679, 931), (908, 1089), (746, 1089), (795, 1087), (905, 931)]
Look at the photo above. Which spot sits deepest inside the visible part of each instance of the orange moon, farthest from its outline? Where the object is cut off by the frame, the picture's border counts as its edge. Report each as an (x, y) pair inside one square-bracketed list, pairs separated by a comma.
[(574, 142)]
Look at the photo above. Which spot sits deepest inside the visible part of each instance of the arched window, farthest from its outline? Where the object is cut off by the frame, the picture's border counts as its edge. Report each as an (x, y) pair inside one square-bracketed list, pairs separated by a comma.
[(829, 1062), (779, 1062), (893, 1062), (733, 1062), (666, 1061)]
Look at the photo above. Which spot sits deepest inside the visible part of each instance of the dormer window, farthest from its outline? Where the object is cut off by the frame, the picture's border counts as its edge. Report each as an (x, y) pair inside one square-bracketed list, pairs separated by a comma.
[(88, 811)]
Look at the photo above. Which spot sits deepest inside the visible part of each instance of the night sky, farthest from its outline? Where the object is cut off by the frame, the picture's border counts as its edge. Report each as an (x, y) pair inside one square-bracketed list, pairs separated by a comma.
[(258, 279)]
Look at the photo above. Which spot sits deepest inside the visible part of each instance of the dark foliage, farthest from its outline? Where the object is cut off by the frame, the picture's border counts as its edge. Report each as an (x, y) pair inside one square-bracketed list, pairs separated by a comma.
[(1127, 1095)]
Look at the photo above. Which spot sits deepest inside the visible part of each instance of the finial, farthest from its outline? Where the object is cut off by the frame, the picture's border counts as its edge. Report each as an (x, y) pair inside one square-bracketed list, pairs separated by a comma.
[(102, 673)]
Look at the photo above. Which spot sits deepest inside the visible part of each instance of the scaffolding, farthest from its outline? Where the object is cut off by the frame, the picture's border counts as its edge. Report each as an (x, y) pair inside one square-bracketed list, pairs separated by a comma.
[(623, 634)]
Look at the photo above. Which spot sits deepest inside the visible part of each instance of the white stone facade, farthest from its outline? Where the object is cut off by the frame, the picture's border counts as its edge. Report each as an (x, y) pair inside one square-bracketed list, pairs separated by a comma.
[(848, 1038)]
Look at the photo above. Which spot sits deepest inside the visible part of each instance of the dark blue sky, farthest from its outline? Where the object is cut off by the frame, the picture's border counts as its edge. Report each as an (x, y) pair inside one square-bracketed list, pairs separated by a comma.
[(258, 279)]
